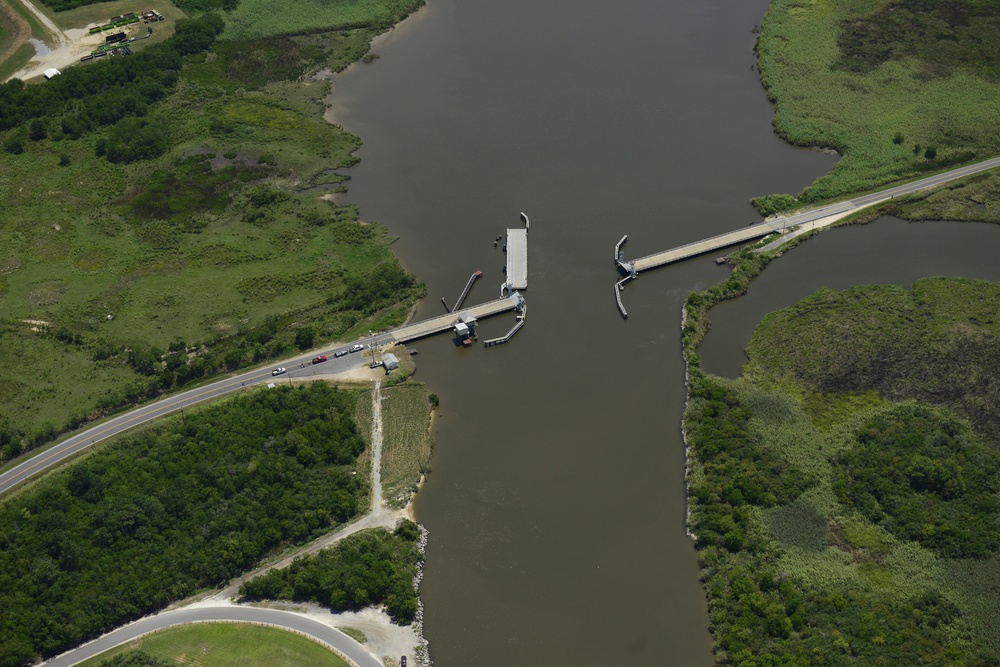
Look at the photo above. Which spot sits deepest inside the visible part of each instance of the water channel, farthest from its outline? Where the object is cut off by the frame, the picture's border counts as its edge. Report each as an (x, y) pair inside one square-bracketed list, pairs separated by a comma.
[(556, 501)]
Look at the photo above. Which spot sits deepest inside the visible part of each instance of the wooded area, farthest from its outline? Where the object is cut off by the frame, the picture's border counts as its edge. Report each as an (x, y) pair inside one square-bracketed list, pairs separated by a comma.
[(370, 568), (163, 513)]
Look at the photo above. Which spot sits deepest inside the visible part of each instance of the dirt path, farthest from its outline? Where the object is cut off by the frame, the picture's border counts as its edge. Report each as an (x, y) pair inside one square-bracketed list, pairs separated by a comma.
[(18, 28), (58, 36), (65, 48), (385, 639)]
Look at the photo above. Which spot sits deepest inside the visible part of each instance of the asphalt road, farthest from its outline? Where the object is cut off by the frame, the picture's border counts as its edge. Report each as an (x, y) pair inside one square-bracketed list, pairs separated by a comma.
[(341, 643), (58, 453), (885, 195)]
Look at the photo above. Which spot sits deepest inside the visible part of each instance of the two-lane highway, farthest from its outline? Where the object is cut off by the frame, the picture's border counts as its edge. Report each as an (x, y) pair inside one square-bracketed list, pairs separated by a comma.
[(297, 368)]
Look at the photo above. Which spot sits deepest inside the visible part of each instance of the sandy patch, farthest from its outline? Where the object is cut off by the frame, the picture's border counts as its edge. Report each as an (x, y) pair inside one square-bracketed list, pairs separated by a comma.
[(73, 45)]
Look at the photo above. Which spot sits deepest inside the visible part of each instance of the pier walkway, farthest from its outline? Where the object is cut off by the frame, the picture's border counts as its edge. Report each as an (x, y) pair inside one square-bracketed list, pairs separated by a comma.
[(444, 322), (510, 334), (465, 292)]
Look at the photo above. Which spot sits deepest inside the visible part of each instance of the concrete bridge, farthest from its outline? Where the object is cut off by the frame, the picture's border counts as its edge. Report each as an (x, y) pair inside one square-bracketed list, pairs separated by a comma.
[(814, 218), (444, 322)]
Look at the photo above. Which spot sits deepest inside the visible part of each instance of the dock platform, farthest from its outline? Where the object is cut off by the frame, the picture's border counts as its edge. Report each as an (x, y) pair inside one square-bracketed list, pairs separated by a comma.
[(510, 334), (517, 258)]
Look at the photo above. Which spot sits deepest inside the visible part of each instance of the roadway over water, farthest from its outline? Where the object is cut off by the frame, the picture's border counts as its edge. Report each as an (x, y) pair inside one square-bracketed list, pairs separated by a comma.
[(815, 217), (444, 322)]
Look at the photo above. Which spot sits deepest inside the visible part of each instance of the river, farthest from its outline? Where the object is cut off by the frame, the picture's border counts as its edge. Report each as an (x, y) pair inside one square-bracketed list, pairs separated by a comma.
[(556, 502)]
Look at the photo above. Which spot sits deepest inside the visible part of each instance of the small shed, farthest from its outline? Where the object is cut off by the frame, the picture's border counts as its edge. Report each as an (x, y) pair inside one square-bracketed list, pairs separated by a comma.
[(51, 72), (462, 330), (390, 361)]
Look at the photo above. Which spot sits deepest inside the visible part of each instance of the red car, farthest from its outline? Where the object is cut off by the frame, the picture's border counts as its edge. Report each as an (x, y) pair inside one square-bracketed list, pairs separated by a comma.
[(320, 359)]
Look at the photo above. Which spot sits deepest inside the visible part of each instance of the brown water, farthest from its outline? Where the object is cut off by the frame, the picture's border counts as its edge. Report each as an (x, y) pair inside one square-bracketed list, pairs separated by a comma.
[(556, 504)]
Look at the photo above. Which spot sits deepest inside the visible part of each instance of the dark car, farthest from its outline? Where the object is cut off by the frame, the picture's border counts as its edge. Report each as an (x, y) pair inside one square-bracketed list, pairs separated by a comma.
[(340, 353), (320, 359)]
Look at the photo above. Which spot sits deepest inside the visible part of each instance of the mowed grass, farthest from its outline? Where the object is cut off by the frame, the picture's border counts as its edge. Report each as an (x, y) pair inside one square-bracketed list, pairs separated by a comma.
[(406, 440), (228, 645), (37, 31), (100, 12), (17, 60), (820, 102), (264, 18)]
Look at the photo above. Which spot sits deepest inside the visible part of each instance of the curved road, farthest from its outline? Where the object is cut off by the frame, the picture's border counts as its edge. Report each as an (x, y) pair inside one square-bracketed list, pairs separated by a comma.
[(78, 442), (349, 649)]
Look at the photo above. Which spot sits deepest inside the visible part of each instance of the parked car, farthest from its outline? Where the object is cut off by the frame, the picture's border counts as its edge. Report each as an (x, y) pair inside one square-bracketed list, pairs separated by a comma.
[(340, 353), (357, 347), (278, 371), (319, 359), (375, 364)]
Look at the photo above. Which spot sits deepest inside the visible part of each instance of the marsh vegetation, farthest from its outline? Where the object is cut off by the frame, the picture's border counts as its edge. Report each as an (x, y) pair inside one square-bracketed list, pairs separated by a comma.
[(858, 520)]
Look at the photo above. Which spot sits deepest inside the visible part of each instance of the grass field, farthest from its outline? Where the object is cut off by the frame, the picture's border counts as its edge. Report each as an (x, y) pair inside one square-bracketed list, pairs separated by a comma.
[(228, 645), (37, 31), (16, 60), (406, 440), (208, 243), (265, 18), (884, 113), (100, 12)]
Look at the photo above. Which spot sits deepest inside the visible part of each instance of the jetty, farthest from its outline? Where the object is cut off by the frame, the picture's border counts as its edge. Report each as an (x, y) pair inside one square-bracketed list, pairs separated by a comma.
[(468, 288), (448, 321), (510, 334)]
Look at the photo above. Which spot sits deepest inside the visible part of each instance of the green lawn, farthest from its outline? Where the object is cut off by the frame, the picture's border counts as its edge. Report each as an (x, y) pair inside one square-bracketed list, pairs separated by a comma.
[(37, 31), (100, 12), (229, 645), (17, 60)]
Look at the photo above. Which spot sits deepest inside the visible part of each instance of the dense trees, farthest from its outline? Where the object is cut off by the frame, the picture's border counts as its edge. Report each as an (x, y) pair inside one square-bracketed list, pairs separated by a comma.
[(103, 93), (368, 568), (738, 473), (922, 478), (176, 508), (850, 571), (760, 615)]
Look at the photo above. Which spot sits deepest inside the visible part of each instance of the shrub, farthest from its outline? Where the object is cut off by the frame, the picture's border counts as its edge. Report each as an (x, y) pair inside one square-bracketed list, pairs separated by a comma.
[(133, 139), (14, 145)]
